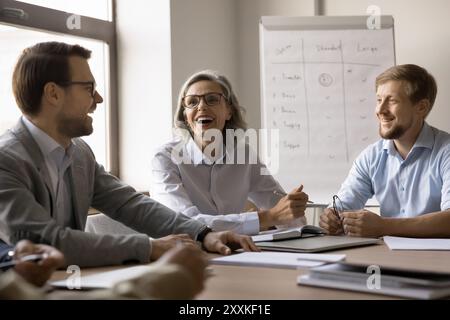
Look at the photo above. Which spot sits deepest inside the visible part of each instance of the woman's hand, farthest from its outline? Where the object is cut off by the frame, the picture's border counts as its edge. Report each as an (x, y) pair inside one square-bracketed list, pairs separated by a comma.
[(290, 207)]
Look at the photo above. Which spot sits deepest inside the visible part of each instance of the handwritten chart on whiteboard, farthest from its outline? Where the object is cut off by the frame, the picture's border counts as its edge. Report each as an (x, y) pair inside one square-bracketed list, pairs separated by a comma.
[(318, 89)]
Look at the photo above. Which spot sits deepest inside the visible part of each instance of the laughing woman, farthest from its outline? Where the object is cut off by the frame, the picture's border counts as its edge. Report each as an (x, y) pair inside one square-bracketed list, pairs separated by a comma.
[(194, 176)]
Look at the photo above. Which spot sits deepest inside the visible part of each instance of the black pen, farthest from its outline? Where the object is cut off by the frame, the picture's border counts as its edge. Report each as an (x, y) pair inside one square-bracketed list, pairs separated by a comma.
[(28, 258)]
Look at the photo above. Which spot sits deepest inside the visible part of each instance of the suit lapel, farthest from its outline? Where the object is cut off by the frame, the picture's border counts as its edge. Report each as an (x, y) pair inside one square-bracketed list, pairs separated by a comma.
[(22, 134), (79, 186), (77, 175)]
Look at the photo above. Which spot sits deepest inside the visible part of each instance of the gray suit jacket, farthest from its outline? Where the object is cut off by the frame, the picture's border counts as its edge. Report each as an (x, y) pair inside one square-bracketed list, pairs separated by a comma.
[(27, 206)]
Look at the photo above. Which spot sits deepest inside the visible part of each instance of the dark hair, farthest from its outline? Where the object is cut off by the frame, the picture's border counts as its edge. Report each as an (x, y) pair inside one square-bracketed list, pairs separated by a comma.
[(38, 65), (419, 84)]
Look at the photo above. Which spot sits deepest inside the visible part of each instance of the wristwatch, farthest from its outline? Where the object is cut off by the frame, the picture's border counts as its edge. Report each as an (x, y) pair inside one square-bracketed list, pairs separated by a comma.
[(201, 236)]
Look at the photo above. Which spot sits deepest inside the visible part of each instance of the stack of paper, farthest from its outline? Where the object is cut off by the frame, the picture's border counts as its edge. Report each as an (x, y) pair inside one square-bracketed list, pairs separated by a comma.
[(389, 281), (278, 259), (398, 243)]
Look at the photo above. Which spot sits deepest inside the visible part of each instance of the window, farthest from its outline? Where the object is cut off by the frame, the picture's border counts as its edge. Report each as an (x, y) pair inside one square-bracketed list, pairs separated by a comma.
[(25, 24), (100, 9)]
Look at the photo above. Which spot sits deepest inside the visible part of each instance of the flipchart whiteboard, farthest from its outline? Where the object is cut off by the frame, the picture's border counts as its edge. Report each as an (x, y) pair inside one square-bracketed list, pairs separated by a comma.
[(318, 89)]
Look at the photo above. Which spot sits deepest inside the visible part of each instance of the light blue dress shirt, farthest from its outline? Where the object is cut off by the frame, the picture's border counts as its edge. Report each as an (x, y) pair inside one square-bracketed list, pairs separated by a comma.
[(212, 192), (405, 188), (58, 161)]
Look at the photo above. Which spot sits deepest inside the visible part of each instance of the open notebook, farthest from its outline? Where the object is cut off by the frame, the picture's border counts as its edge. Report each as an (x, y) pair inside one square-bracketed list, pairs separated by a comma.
[(315, 244), (291, 233)]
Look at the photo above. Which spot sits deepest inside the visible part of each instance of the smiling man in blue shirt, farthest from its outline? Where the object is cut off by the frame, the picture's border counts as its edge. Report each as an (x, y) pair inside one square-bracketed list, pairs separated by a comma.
[(408, 170)]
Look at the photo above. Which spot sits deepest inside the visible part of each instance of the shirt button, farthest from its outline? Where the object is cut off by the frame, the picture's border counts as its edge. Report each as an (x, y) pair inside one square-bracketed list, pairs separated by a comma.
[(403, 210), (402, 189)]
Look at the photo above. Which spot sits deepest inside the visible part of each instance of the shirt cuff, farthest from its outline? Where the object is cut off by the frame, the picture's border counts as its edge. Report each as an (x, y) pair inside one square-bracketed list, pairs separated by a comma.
[(251, 223), (142, 249), (191, 211), (445, 205)]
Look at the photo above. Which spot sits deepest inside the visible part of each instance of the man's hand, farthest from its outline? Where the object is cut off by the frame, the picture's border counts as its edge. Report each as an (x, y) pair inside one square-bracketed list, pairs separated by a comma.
[(290, 207), (39, 272), (192, 259), (363, 223), (330, 222), (161, 245), (218, 241)]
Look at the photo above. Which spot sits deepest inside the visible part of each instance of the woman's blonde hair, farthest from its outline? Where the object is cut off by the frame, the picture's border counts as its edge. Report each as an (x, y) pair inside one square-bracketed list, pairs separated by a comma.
[(236, 121)]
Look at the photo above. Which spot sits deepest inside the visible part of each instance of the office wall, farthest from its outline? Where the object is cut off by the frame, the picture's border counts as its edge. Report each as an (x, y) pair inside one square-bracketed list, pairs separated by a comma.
[(249, 14), (204, 35), (225, 34), (145, 88), (422, 36)]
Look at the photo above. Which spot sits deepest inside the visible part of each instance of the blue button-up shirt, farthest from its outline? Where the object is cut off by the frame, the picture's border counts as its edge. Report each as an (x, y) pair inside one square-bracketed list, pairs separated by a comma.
[(404, 188)]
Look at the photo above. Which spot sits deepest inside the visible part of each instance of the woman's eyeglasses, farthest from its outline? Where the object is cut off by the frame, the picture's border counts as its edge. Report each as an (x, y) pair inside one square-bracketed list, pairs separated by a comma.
[(193, 100)]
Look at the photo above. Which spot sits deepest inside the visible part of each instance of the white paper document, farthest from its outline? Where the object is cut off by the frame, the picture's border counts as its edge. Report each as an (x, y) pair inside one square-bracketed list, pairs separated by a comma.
[(399, 243), (278, 259), (103, 279)]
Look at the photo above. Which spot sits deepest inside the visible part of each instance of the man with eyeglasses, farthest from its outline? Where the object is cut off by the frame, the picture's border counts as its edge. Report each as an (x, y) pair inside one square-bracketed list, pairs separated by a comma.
[(408, 170), (49, 177)]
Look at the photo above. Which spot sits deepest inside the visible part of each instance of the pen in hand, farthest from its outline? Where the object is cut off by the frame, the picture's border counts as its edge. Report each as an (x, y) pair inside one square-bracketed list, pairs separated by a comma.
[(28, 258)]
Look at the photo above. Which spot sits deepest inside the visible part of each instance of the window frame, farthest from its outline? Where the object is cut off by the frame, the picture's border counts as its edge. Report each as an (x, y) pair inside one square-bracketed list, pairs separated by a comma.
[(37, 18)]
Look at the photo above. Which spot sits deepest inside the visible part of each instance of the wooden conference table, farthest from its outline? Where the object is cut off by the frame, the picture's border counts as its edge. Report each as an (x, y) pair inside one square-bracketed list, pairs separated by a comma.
[(239, 282)]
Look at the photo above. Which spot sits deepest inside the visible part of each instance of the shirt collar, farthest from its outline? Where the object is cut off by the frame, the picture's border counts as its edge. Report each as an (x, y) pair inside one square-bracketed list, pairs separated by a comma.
[(46, 143), (197, 156), (389, 146), (424, 140)]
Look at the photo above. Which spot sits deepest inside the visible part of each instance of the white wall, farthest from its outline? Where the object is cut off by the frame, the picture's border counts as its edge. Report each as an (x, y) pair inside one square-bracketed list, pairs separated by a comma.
[(224, 35), (145, 88), (204, 36), (249, 13), (422, 37)]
